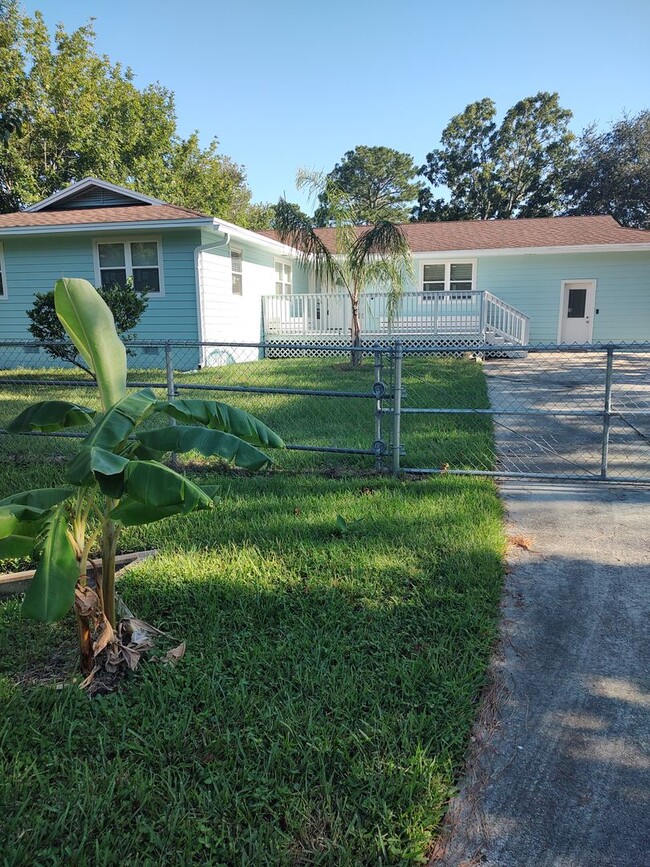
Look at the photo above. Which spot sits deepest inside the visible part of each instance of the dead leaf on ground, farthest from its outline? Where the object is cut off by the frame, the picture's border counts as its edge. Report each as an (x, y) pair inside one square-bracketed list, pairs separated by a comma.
[(172, 656), (521, 541)]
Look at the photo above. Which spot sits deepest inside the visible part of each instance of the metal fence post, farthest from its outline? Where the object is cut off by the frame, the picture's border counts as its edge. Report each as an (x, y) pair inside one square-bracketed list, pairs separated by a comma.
[(169, 367), (397, 405), (379, 392), (171, 390), (607, 412)]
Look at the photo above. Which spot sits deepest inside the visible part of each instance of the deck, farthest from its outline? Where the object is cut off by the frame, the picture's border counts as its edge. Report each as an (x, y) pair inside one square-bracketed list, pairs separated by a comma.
[(445, 317)]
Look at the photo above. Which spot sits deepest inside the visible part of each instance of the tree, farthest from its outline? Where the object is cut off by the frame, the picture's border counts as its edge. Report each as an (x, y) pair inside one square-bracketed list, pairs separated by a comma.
[(376, 255), (378, 182), (512, 170), (114, 481), (126, 303), (611, 172), (67, 112)]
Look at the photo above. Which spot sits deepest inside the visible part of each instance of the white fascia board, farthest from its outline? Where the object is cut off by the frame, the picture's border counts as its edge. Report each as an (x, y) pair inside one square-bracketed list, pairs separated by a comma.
[(534, 251), (80, 186), (75, 228), (253, 237)]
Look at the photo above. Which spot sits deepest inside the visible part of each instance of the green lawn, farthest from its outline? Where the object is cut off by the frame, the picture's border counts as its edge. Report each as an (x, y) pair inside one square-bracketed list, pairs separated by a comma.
[(460, 441), (322, 711)]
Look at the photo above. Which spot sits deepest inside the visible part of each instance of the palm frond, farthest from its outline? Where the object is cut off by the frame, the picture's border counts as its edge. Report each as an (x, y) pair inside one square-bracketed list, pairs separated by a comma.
[(384, 240), (381, 256), (296, 230)]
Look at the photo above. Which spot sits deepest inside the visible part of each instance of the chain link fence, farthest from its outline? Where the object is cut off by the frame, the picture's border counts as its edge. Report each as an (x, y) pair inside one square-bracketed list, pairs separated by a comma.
[(540, 411), (547, 412), (325, 408)]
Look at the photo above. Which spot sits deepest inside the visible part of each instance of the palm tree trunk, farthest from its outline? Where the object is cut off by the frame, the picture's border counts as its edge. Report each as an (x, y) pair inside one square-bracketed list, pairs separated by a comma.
[(355, 332)]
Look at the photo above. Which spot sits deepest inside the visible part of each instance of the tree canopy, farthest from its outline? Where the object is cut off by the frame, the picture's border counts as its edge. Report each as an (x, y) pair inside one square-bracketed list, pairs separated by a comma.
[(378, 181), (376, 256), (514, 169), (67, 112), (611, 172)]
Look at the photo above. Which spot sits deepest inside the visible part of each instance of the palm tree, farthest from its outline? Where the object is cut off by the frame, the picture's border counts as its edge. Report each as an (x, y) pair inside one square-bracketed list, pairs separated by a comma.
[(377, 255)]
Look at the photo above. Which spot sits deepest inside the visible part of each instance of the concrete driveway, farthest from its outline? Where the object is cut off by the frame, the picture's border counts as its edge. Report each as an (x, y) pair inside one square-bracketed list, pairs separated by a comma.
[(559, 773), (564, 394)]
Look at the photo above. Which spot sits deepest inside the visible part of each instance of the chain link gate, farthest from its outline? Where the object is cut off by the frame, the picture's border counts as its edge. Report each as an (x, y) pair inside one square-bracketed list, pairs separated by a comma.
[(547, 412)]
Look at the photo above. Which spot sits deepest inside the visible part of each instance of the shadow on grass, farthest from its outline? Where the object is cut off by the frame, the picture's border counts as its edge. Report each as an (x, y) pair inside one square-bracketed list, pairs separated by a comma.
[(322, 707)]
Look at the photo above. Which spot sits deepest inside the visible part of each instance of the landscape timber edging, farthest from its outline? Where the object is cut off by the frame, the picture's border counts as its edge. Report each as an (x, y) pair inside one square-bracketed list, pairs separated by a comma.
[(13, 583)]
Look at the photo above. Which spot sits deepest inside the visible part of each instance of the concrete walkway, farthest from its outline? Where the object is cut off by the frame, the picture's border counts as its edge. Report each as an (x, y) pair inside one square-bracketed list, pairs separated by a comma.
[(559, 774)]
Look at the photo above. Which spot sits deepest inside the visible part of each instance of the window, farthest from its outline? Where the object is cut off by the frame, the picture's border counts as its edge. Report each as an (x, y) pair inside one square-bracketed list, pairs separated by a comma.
[(3, 279), (140, 260), (237, 261), (283, 278), (447, 277)]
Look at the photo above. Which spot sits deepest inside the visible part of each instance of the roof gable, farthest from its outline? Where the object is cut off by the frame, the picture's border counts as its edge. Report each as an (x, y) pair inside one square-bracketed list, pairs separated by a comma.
[(92, 193)]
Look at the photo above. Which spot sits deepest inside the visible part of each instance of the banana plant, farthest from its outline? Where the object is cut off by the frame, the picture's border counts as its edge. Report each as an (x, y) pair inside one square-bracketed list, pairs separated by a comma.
[(115, 480)]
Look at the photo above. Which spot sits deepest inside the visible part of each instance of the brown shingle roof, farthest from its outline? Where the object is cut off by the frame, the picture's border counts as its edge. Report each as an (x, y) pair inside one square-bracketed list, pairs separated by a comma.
[(94, 216), (510, 234)]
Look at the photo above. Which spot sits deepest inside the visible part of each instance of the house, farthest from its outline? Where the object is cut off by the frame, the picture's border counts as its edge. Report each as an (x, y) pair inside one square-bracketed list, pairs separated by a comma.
[(562, 279), (546, 280), (206, 277)]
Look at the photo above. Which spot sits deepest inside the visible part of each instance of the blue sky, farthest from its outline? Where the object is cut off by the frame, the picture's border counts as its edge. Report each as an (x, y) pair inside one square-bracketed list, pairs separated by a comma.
[(283, 84)]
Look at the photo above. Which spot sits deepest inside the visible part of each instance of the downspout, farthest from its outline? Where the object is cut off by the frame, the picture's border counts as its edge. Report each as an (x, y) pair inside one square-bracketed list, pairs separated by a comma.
[(199, 287)]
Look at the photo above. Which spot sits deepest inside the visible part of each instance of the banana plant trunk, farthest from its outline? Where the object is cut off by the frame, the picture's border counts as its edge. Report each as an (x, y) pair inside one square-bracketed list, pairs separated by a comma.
[(85, 640), (109, 551)]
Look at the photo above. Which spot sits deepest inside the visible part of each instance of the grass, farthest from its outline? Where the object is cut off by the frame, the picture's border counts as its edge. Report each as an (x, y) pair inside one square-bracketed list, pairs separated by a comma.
[(322, 710), (343, 422)]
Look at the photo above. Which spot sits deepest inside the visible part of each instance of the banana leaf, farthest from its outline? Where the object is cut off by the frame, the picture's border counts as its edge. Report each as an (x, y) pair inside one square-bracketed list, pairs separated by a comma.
[(17, 545), (107, 468), (15, 515), (110, 432), (39, 498), (88, 320), (220, 416), (186, 438), (51, 591), (153, 491), (50, 416), (21, 523)]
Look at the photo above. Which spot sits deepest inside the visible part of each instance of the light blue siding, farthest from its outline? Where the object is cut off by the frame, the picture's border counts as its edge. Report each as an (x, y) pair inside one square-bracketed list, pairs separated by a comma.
[(300, 279), (532, 284), (35, 264)]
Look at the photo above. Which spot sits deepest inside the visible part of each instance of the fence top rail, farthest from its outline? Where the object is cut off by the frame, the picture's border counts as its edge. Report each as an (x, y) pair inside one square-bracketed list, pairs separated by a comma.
[(501, 348), (189, 344)]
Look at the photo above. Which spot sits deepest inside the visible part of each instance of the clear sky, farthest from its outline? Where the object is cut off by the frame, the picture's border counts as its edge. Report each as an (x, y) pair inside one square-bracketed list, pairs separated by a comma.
[(284, 84)]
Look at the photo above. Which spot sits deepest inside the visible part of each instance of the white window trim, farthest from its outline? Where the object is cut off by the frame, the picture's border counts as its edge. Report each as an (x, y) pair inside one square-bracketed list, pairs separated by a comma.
[(447, 263), (127, 241), (288, 262), (238, 251), (3, 270)]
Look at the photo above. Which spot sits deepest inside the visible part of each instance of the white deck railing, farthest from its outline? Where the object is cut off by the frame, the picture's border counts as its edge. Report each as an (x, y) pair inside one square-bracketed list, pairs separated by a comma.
[(478, 315)]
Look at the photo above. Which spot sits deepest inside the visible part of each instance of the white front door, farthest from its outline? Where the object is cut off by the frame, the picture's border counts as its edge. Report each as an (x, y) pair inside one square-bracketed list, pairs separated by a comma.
[(577, 312)]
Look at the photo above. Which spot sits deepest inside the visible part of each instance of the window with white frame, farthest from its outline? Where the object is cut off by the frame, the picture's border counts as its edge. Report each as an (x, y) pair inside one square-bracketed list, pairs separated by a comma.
[(283, 278), (3, 279), (447, 277), (236, 264), (140, 260)]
